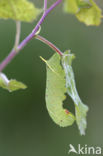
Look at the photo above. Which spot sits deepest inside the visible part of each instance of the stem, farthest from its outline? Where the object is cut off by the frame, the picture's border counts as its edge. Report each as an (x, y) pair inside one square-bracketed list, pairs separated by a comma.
[(18, 31), (4, 78), (14, 52), (51, 45), (29, 37), (45, 5)]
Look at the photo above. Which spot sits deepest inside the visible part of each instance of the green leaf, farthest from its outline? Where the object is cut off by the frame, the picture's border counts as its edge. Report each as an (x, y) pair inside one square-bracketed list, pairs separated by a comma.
[(86, 11), (90, 16), (55, 92), (10, 85), (73, 6), (20, 10), (84, 4), (80, 108)]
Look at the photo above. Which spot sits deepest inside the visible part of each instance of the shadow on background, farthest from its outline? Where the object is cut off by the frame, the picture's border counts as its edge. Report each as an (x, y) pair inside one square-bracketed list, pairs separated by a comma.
[(25, 126)]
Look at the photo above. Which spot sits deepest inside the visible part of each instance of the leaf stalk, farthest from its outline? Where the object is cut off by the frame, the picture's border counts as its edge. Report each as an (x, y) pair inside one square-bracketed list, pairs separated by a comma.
[(51, 45)]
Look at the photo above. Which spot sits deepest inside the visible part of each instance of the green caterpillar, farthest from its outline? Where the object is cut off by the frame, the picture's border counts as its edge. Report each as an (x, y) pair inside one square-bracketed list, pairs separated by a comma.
[(55, 93), (60, 80)]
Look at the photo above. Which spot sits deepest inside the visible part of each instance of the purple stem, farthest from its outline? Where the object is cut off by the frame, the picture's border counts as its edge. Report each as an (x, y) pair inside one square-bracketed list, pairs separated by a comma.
[(45, 5), (14, 52)]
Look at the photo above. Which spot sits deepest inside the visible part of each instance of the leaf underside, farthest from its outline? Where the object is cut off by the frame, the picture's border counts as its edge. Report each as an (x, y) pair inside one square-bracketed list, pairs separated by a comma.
[(80, 109)]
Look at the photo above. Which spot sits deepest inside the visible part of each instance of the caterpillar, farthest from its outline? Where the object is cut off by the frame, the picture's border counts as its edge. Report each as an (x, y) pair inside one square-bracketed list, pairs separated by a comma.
[(55, 93)]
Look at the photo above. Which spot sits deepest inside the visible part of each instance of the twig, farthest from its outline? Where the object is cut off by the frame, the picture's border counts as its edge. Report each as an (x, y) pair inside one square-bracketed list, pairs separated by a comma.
[(14, 52), (45, 5)]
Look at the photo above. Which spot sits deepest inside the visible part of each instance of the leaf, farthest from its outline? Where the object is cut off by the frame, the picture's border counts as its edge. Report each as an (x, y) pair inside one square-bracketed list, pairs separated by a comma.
[(84, 4), (90, 16), (86, 11), (20, 10), (10, 85), (80, 108), (55, 93), (73, 6)]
